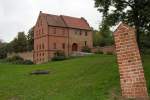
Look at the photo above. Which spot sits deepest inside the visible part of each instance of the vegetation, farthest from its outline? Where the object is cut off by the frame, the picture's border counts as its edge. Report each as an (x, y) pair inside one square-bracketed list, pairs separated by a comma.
[(59, 55), (21, 43), (86, 49), (133, 12), (17, 60), (92, 77), (103, 37)]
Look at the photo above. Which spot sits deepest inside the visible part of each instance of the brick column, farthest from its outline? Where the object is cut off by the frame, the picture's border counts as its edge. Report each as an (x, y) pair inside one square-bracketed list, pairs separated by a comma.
[(133, 84)]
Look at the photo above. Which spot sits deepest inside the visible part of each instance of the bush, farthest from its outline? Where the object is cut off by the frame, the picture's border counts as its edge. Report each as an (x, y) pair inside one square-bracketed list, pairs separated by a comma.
[(145, 51), (14, 58), (18, 60), (109, 53), (59, 56), (27, 62), (99, 52), (86, 49)]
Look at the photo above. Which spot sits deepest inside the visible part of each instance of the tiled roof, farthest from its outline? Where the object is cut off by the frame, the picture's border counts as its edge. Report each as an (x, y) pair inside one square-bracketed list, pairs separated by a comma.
[(73, 22), (54, 20), (66, 21)]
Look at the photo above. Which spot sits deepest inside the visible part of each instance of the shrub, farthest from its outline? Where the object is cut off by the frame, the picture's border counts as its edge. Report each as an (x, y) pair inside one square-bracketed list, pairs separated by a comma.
[(59, 56), (14, 58), (109, 53), (18, 60), (59, 53), (86, 49), (99, 52), (27, 62)]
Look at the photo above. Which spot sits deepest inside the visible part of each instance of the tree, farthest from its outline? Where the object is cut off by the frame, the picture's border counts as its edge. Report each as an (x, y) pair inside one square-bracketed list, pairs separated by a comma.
[(19, 44), (3, 50), (30, 39), (96, 38), (133, 12), (106, 35)]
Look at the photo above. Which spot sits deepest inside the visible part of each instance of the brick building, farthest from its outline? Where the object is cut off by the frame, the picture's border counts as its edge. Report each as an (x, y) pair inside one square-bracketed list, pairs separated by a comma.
[(53, 33)]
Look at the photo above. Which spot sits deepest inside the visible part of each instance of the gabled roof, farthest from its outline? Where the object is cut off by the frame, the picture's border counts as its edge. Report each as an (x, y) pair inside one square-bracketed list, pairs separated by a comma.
[(66, 21), (73, 22), (54, 20)]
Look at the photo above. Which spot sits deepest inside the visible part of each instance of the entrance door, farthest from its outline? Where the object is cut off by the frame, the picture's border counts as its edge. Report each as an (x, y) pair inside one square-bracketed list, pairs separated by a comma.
[(74, 47)]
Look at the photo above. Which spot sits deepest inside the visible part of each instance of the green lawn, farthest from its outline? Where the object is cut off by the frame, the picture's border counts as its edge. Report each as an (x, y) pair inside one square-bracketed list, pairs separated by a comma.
[(87, 78)]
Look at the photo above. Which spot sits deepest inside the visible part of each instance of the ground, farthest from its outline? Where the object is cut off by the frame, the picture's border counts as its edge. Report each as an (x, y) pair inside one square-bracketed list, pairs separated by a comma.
[(93, 77)]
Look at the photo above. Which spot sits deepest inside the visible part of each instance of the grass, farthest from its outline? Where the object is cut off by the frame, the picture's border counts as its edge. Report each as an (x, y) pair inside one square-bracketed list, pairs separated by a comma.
[(87, 78)]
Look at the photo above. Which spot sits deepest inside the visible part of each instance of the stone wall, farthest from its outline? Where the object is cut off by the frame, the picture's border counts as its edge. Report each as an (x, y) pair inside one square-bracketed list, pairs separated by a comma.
[(24, 55)]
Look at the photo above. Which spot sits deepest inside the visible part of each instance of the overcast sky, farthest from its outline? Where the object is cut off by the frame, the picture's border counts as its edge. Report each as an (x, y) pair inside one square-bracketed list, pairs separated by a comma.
[(21, 15)]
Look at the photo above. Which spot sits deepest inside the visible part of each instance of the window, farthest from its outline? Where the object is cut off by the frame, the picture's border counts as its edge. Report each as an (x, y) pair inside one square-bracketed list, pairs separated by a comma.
[(80, 32), (37, 47), (54, 45), (43, 45), (77, 32), (63, 45), (86, 33), (40, 46), (85, 43)]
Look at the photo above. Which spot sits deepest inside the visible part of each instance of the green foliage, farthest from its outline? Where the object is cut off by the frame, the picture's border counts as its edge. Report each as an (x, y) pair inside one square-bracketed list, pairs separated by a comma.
[(59, 56), (103, 37), (27, 62), (86, 49), (30, 39), (145, 43), (99, 52), (96, 38), (15, 60), (18, 60), (3, 50), (106, 35), (133, 12), (19, 44)]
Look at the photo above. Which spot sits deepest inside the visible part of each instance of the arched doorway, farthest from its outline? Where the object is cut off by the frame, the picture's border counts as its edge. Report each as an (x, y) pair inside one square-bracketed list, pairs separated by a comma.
[(74, 47)]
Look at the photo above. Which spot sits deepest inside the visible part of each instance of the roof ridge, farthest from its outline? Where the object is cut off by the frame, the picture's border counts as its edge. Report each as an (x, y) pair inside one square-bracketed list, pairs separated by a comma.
[(71, 16), (61, 16)]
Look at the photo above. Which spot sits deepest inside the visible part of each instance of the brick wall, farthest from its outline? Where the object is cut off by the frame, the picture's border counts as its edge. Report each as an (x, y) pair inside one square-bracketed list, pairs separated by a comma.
[(132, 79), (105, 49)]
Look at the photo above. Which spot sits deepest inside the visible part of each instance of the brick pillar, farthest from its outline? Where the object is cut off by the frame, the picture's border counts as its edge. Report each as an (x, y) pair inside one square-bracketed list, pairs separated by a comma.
[(133, 84)]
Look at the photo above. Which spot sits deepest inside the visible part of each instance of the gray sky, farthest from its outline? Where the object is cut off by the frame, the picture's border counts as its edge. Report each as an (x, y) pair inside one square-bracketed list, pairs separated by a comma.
[(21, 15)]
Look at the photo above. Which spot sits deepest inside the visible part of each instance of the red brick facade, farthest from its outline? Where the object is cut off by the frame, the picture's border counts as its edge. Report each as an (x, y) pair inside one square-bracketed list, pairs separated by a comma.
[(132, 79), (52, 33)]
